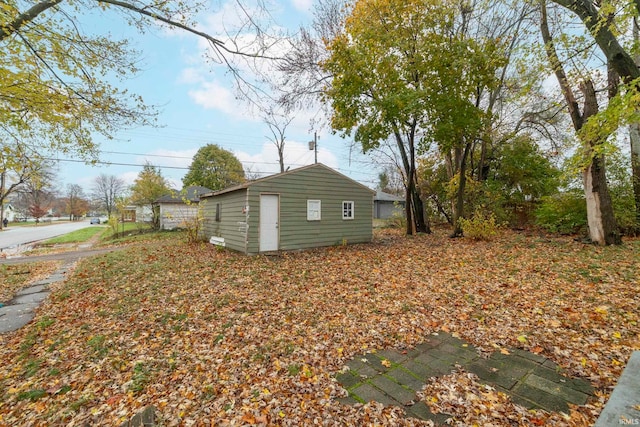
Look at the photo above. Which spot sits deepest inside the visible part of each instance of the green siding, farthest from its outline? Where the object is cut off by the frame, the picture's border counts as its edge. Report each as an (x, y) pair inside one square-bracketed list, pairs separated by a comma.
[(232, 224), (313, 183), (294, 188)]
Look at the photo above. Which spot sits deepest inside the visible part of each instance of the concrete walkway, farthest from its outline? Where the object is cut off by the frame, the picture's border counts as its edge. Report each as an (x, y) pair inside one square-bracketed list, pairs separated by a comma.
[(392, 378), (623, 407), (20, 310)]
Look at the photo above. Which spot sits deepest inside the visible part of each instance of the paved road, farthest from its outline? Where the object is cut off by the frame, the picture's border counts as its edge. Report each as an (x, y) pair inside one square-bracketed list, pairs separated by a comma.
[(13, 237)]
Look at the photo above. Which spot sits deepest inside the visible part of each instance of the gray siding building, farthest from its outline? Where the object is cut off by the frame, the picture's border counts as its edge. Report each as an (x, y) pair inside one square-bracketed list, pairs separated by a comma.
[(387, 205), (308, 207), (180, 209)]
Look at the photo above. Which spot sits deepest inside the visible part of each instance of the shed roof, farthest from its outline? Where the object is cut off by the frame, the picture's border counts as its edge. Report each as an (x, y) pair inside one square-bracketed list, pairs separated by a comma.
[(191, 193), (386, 197), (293, 171)]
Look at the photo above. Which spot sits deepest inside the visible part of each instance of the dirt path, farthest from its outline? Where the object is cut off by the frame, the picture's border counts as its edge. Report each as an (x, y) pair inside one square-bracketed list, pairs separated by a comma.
[(80, 250)]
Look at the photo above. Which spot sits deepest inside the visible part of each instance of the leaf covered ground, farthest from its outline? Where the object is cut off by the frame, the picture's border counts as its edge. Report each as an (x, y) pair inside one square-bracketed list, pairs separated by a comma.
[(15, 277), (213, 337)]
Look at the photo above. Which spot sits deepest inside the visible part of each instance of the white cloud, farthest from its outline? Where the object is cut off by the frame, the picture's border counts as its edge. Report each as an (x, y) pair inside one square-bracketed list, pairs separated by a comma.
[(128, 177), (191, 75), (227, 18), (302, 5), (213, 96)]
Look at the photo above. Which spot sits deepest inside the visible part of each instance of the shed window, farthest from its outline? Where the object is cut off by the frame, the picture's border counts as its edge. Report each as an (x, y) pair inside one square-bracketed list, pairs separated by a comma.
[(313, 210), (218, 209), (347, 210)]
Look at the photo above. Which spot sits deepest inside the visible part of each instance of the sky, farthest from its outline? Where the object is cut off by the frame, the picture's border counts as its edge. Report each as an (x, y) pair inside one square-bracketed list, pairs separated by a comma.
[(198, 106)]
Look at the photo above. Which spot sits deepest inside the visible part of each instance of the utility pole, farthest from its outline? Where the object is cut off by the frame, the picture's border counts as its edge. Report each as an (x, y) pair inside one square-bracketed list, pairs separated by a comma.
[(313, 145)]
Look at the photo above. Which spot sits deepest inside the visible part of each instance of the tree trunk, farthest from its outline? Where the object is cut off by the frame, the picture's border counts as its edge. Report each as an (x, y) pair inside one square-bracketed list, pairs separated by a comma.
[(414, 207), (634, 139), (281, 157), (422, 225), (603, 229), (409, 210), (458, 211)]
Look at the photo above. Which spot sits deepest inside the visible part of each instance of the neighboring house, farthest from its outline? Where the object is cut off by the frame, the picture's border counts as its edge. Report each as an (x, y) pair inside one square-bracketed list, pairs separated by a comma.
[(129, 214), (178, 209), (133, 213), (387, 205), (308, 207), (9, 213)]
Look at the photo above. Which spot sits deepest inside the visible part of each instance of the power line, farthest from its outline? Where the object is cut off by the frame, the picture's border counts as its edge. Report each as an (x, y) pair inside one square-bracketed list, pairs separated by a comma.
[(147, 155), (99, 162), (169, 156)]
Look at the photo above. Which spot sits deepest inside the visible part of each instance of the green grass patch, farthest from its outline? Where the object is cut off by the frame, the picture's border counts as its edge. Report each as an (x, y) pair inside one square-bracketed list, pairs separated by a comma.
[(32, 395), (32, 367), (77, 236), (140, 378), (15, 274), (97, 345), (139, 235), (15, 277)]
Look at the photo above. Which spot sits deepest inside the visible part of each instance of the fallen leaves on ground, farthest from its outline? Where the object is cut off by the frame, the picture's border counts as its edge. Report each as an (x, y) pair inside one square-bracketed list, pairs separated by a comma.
[(213, 337), (469, 402), (14, 277)]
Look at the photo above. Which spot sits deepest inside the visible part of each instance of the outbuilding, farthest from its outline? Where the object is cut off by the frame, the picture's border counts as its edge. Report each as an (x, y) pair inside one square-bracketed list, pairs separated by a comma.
[(179, 209), (387, 206), (308, 207)]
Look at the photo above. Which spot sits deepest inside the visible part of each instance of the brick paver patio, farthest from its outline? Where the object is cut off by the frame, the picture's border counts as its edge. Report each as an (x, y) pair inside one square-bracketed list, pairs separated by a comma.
[(392, 377)]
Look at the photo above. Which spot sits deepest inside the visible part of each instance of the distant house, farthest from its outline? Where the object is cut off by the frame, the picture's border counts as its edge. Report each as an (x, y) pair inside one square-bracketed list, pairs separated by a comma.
[(177, 209), (387, 205), (129, 214), (133, 213), (308, 207), (9, 213)]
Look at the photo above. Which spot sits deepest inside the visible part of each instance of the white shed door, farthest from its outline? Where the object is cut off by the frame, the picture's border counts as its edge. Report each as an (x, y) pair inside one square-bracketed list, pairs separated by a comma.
[(269, 222)]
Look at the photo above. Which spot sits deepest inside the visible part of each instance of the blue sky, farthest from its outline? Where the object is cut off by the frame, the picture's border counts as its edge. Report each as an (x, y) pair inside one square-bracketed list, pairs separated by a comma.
[(198, 106)]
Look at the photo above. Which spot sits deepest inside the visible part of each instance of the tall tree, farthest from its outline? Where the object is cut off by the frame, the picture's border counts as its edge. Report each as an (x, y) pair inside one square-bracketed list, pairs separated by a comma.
[(16, 169), (215, 168), (401, 70), (277, 124), (54, 89), (147, 188), (634, 134), (106, 189), (602, 20), (600, 216), (301, 78), (76, 203), (37, 195)]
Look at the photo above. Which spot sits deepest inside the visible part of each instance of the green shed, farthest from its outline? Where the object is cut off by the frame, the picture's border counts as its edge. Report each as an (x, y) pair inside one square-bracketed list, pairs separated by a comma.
[(308, 207)]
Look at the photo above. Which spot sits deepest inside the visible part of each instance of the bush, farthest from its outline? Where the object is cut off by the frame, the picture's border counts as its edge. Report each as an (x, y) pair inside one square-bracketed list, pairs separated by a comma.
[(564, 213), (396, 220), (113, 223), (193, 227), (480, 227)]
